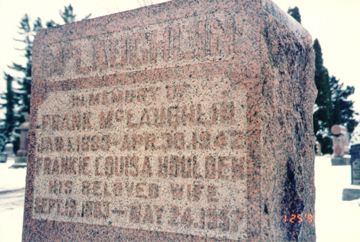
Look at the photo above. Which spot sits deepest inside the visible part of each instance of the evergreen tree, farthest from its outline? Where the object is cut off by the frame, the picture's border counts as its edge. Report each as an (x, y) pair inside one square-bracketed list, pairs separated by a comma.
[(11, 100), (23, 90), (355, 139), (295, 13), (322, 115), (24, 83), (332, 106), (68, 16), (342, 109)]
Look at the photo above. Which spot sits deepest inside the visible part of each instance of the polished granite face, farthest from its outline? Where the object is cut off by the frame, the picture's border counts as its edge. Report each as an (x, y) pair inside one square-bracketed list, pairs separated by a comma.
[(187, 120)]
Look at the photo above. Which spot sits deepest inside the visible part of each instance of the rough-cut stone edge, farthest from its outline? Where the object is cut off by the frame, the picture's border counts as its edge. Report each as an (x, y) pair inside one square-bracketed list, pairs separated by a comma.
[(293, 174), (93, 27), (270, 7)]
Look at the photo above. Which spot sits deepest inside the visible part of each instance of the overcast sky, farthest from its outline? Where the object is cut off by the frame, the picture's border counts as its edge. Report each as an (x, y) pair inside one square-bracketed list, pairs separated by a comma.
[(336, 23)]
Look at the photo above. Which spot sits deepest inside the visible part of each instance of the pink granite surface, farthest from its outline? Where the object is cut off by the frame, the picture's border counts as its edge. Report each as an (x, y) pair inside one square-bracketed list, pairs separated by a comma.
[(183, 121)]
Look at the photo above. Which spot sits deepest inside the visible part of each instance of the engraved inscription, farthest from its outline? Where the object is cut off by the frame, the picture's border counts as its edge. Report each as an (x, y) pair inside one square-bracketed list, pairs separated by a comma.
[(356, 172), (167, 157), (216, 36)]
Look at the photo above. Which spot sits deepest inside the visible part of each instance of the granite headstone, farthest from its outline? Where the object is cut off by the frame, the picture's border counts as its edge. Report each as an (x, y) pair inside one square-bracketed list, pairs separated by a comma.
[(9, 150), (352, 192), (8, 153), (183, 121), (355, 164), (340, 142), (21, 154)]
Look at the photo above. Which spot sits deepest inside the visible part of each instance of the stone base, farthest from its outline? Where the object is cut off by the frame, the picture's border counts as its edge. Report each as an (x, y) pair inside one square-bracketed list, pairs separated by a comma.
[(351, 193), (21, 159), (20, 162), (18, 165), (340, 161), (3, 157)]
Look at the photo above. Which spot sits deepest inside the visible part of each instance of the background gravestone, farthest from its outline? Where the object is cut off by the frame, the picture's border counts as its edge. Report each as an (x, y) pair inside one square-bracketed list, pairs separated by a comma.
[(353, 191), (21, 154), (340, 142), (187, 120), (355, 171), (9, 150)]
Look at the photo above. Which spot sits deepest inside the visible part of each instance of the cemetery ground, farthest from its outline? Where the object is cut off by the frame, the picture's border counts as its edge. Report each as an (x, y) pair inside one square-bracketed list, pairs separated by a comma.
[(335, 220)]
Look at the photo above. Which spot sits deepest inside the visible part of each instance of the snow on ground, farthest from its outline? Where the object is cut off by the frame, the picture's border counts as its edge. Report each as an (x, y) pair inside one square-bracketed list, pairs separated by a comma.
[(336, 220), (11, 179), (11, 224), (11, 203)]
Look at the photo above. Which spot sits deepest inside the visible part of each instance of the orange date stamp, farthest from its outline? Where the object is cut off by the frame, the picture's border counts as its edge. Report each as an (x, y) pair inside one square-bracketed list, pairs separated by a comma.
[(298, 218)]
